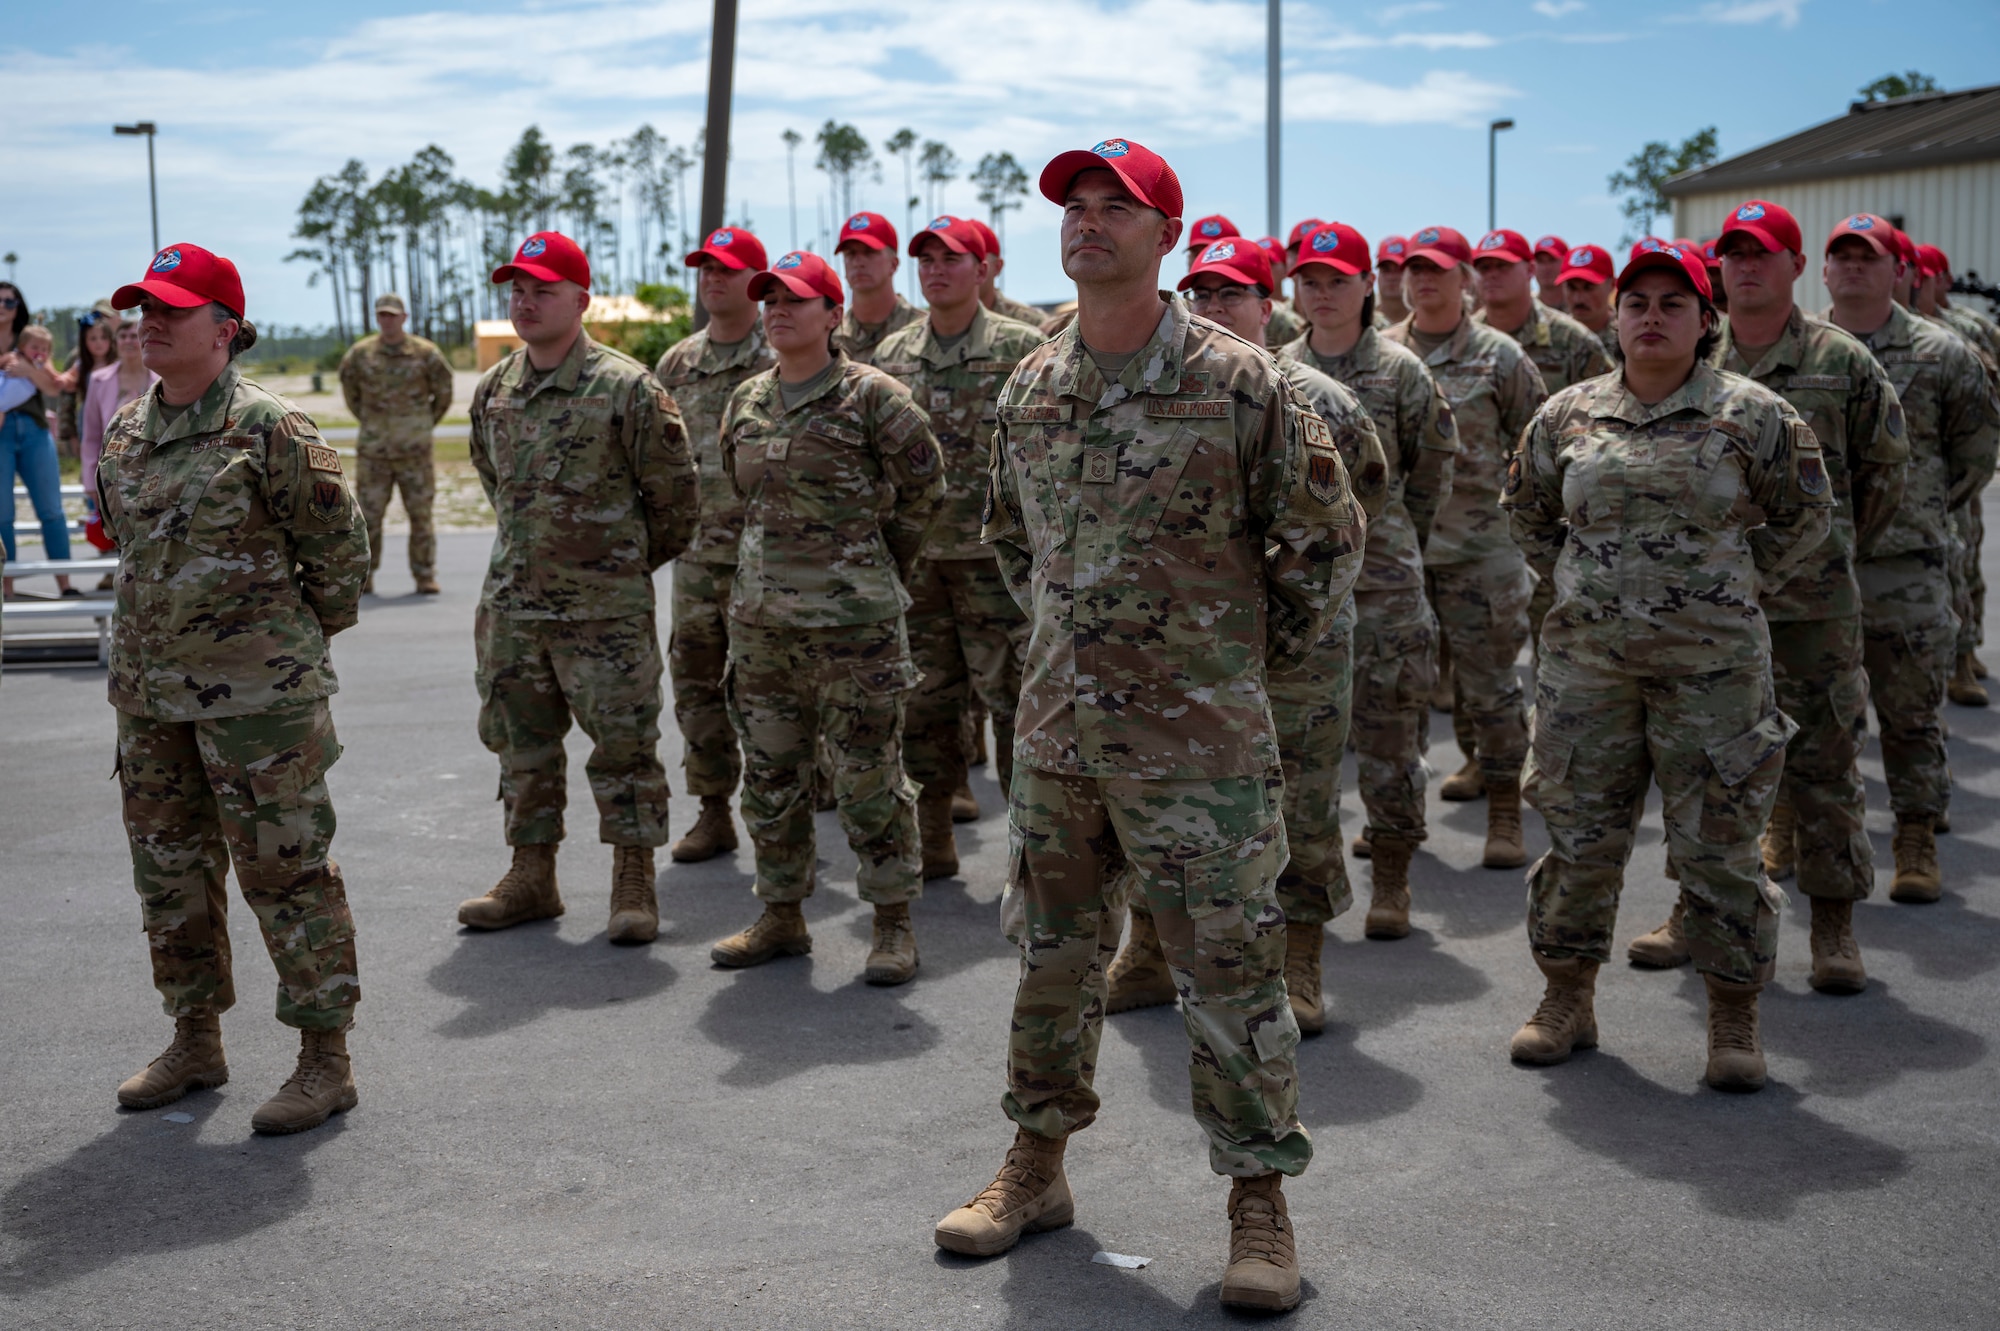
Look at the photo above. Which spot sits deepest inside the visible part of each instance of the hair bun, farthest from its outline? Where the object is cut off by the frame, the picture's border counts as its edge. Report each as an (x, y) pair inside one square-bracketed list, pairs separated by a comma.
[(246, 338)]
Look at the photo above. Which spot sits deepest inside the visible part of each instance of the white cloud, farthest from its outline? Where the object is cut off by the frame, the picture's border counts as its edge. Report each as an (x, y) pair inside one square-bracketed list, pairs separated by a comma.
[(1397, 13), (1557, 8), (1786, 12)]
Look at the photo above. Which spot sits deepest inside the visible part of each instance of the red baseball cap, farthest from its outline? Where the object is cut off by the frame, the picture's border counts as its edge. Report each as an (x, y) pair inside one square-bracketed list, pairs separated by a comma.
[(185, 276), (1774, 227), (1589, 263), (954, 233), (1670, 255), (1867, 226), (1274, 250), (1553, 245), (1441, 245), (547, 256), (987, 236), (732, 247), (1338, 246), (804, 274), (1144, 172), (1301, 231), (1931, 260), (1907, 248), (1509, 245), (1235, 258), (1710, 258), (1391, 252), (1211, 228), (870, 229)]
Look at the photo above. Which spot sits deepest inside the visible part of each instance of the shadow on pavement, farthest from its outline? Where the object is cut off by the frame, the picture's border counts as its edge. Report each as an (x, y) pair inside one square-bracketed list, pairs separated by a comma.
[(514, 976), (149, 1186), (1751, 1157), (1944, 941), (1051, 1281), (779, 1025), (1860, 1043)]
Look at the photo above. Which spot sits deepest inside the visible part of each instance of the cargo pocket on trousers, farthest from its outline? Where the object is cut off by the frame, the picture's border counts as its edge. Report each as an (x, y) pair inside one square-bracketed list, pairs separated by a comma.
[(872, 719), (1226, 893), (289, 796), (1745, 781), (1548, 760)]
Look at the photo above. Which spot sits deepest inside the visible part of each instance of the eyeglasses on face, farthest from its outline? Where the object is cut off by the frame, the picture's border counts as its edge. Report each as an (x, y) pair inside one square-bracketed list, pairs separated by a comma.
[(1228, 297)]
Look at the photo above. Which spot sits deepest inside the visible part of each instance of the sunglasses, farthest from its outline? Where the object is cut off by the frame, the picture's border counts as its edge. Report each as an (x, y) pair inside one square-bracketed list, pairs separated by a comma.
[(9, 303)]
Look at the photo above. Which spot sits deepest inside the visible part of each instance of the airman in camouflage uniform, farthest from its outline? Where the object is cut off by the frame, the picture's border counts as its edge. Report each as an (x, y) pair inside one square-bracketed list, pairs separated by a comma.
[(398, 390), (966, 632), (588, 469), (701, 374), (242, 555), (839, 488), (1396, 636), (870, 239), (1656, 663), (1479, 585)]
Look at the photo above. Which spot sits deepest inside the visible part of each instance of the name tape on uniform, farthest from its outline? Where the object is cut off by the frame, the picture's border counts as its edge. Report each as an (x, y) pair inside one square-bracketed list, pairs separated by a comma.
[(1035, 413), (1181, 408)]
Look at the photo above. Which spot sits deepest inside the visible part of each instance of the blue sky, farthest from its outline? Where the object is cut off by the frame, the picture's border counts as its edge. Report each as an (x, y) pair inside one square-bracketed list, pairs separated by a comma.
[(1386, 105)]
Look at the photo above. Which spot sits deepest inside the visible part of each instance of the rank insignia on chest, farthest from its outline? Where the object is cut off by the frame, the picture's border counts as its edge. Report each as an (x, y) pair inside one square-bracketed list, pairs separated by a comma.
[(940, 399), (1100, 465), (1812, 474), (322, 457), (1323, 476)]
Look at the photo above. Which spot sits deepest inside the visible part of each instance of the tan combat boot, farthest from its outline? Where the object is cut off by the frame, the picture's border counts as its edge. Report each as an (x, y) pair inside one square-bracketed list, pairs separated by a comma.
[(1836, 957), (1467, 783), (1667, 946), (1302, 953), (322, 1085), (1567, 1018), (892, 956), (964, 808), (1030, 1194), (1735, 1059), (368, 585), (635, 910), (192, 1062), (1503, 826), (1263, 1257), (1978, 666), (1918, 881), (427, 585), (940, 846), (1779, 844), (1361, 847), (1389, 889), (1964, 687), (713, 833), (527, 891), (779, 931), (1139, 976)]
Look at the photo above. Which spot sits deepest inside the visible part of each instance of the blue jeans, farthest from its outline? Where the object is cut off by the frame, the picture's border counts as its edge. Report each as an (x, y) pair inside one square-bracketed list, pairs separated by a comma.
[(26, 447)]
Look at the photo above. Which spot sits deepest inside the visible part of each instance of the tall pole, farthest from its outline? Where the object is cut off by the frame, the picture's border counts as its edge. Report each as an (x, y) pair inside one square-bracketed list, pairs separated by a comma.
[(1493, 171), (1271, 153), (149, 129), (715, 141)]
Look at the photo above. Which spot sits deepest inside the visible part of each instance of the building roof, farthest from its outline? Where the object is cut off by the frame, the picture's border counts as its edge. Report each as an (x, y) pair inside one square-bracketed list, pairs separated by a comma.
[(1929, 129)]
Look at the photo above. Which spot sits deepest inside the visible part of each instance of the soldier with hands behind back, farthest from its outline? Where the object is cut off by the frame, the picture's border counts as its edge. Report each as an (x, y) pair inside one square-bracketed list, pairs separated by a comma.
[(242, 553), (398, 386)]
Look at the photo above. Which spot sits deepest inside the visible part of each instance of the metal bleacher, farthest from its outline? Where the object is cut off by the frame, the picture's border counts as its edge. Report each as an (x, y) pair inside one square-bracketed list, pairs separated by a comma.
[(47, 628)]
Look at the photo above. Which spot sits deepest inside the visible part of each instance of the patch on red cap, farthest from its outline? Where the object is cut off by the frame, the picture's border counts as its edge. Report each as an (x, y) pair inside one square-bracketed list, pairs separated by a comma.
[(1653, 252), (1335, 245), (1876, 231), (1235, 258), (184, 276), (732, 247), (954, 233), (1554, 245), (547, 256), (870, 229), (1144, 172), (1504, 244), (1441, 245), (1770, 225), (802, 273), (1301, 231), (1392, 250), (1587, 263), (1210, 228)]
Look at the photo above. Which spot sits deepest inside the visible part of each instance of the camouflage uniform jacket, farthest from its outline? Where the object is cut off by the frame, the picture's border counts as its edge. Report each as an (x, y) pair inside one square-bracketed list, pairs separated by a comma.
[(860, 341), (1563, 350), (1353, 429), (1285, 326), (1493, 390), (398, 393), (1170, 535), (1975, 327), (243, 552), (590, 476), (1953, 425), (838, 496), (1415, 428), (1839, 390), (959, 388), (701, 379), (1008, 308), (1645, 518), (1969, 333)]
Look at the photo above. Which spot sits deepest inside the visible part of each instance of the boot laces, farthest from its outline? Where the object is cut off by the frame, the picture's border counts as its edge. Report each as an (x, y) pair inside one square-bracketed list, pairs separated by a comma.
[(517, 885), (1732, 1024), (1259, 1230), (1301, 978), (1561, 1007), (182, 1049), (1021, 1179), (1831, 936), (314, 1069), (631, 885), (1910, 845), (891, 931)]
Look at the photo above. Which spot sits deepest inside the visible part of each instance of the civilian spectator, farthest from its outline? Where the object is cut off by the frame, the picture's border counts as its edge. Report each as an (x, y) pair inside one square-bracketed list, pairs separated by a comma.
[(94, 330), (25, 445)]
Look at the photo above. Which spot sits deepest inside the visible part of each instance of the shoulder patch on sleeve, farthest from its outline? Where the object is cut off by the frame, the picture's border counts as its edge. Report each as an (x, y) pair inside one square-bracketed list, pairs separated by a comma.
[(900, 426), (322, 457)]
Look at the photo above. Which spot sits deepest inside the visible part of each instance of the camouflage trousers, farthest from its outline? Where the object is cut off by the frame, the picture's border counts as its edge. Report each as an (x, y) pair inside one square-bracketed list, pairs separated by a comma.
[(697, 654), (1968, 581), (1482, 610), (1395, 668), (1715, 745), (415, 474), (850, 684), (1204, 857), (252, 790), (1816, 665), (1909, 637), (1310, 707), (533, 675), (967, 635)]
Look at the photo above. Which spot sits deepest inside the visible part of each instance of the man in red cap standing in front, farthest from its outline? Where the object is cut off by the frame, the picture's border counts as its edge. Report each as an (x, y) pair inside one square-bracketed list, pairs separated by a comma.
[(586, 462), (701, 371), (243, 552), (1177, 523), (867, 249)]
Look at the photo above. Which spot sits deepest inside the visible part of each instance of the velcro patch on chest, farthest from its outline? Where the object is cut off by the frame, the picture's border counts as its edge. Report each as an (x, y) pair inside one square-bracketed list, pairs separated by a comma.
[(1375, 381), (834, 429), (1100, 465), (991, 366), (1185, 408), (940, 399), (591, 403), (899, 368), (1838, 383), (1035, 413), (322, 457)]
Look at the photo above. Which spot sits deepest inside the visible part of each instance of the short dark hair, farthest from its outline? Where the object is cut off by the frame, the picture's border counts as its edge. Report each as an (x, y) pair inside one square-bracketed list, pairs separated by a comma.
[(1704, 347)]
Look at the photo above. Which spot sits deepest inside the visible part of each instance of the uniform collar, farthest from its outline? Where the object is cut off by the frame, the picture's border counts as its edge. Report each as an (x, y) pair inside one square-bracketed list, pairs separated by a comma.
[(402, 348), (1899, 330), (566, 375), (851, 326), (713, 361), (1454, 349), (773, 396), (208, 415), (1615, 402), (1155, 369), (1360, 358), (1786, 354), (1537, 330), (976, 345)]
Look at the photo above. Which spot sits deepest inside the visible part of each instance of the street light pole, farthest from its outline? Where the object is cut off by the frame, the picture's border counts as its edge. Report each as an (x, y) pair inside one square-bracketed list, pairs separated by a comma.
[(149, 129), (1272, 157), (1492, 171), (715, 140)]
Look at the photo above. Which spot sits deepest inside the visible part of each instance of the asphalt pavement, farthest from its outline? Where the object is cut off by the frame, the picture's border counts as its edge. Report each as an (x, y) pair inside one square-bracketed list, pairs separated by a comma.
[(557, 1133)]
